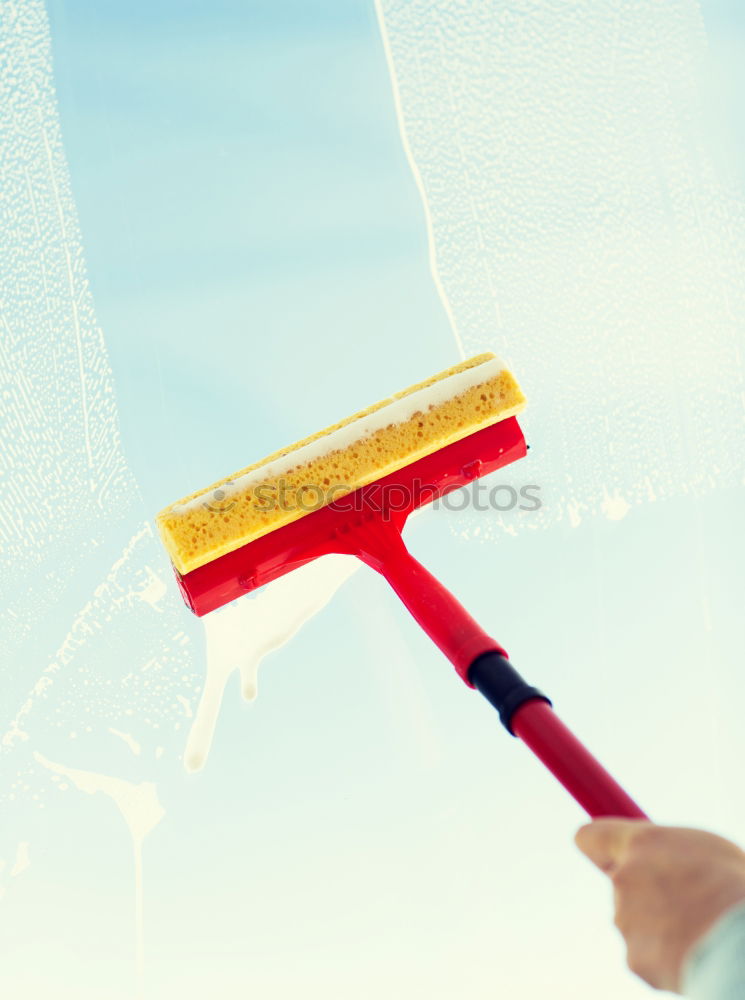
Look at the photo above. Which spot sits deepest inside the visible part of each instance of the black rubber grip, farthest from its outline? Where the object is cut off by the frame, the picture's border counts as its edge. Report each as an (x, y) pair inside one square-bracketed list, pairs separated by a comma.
[(494, 676)]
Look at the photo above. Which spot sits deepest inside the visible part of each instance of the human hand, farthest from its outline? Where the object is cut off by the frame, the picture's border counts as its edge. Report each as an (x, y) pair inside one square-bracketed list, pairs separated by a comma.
[(670, 885)]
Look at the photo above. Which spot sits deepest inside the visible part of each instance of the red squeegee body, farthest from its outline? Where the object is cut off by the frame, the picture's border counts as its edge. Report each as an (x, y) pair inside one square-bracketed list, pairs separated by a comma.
[(332, 528)]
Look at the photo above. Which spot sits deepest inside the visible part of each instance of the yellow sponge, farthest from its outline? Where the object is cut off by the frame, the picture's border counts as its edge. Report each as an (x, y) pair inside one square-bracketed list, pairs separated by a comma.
[(311, 473)]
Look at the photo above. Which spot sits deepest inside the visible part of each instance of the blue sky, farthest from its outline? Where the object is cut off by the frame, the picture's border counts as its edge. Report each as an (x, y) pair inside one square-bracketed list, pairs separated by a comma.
[(257, 252)]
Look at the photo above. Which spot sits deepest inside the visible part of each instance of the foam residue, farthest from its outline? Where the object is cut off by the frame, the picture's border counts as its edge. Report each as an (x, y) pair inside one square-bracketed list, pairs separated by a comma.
[(419, 181), (90, 627), (121, 656), (22, 861), (141, 811), (241, 634), (581, 229), (65, 479), (185, 705), (20, 865), (127, 738)]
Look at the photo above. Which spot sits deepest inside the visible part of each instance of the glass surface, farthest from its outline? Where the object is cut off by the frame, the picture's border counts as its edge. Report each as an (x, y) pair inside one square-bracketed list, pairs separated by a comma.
[(216, 243)]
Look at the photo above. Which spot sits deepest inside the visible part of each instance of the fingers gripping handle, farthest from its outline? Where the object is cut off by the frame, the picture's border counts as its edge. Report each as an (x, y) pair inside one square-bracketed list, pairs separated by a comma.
[(526, 713)]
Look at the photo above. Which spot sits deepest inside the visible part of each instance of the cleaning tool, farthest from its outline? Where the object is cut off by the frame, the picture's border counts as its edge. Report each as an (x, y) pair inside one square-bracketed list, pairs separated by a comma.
[(349, 489)]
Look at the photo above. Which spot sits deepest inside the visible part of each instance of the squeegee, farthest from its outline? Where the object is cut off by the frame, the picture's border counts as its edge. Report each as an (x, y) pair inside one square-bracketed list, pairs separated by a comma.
[(349, 489)]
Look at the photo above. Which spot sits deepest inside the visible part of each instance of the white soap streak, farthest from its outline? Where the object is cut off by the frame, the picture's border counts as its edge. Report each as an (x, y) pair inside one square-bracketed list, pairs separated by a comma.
[(67, 491), (105, 667), (241, 634), (185, 705), (155, 590), (131, 742), (615, 508), (581, 229), (22, 861), (65, 479), (140, 810), (418, 180), (20, 865)]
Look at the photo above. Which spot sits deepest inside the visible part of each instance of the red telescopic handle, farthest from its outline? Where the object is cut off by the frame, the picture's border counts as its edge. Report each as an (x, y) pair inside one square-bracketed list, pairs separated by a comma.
[(584, 777), (436, 610), (482, 663)]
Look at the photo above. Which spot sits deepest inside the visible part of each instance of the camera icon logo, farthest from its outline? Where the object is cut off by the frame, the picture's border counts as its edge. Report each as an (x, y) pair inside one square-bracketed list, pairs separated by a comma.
[(219, 501)]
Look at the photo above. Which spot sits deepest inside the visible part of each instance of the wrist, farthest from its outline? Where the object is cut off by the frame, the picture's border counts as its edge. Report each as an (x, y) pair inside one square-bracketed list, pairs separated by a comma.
[(714, 960)]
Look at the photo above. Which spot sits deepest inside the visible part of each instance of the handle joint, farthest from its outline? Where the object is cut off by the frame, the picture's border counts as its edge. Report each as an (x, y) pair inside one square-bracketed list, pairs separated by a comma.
[(494, 676)]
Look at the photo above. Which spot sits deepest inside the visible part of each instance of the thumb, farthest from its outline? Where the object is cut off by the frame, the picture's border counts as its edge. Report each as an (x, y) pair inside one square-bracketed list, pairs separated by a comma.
[(606, 841)]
